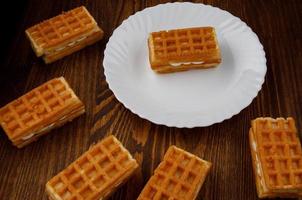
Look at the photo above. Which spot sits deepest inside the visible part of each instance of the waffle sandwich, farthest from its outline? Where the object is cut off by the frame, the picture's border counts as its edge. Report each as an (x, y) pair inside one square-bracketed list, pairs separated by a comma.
[(95, 175), (277, 157), (64, 34), (37, 112), (183, 49), (179, 177)]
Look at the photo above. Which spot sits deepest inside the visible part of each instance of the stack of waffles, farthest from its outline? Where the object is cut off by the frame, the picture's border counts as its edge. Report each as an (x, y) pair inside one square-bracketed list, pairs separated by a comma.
[(179, 177), (277, 157), (95, 175), (183, 49), (64, 34), (40, 110)]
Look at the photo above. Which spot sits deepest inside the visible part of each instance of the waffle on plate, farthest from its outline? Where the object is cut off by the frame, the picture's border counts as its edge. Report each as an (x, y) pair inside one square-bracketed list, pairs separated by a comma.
[(183, 49)]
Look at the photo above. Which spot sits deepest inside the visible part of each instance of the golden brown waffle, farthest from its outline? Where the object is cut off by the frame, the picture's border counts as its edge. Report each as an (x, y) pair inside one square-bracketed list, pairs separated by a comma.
[(37, 112), (277, 157), (95, 175), (183, 49), (179, 177), (64, 34)]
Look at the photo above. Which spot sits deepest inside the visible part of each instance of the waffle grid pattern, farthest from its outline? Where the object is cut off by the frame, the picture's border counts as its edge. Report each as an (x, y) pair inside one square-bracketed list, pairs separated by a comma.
[(61, 27), (177, 177), (33, 107), (184, 42), (280, 153), (93, 174)]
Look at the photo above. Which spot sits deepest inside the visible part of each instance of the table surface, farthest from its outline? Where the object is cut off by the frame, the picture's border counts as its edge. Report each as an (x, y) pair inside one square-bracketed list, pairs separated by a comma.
[(24, 172)]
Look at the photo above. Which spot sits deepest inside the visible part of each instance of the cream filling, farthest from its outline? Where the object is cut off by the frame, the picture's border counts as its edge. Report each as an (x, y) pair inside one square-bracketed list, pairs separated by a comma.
[(43, 129), (70, 44), (28, 136), (177, 64), (46, 127), (258, 167), (35, 133)]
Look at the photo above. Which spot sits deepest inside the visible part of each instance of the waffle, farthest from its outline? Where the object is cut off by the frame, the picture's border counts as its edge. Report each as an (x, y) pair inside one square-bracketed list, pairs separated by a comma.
[(95, 175), (183, 49), (37, 112), (277, 157), (64, 34), (179, 177)]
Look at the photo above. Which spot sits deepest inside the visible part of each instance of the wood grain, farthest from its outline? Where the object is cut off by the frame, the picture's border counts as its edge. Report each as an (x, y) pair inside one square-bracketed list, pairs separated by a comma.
[(24, 172)]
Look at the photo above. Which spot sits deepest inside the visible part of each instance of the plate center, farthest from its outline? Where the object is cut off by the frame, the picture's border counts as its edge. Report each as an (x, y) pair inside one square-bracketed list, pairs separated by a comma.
[(194, 87)]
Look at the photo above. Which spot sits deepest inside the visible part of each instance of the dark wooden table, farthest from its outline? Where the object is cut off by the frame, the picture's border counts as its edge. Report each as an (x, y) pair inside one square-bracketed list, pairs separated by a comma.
[(24, 172)]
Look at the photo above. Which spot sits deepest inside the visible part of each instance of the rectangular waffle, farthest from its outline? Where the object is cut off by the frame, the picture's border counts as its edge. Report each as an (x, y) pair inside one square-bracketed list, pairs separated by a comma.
[(183, 49), (95, 175), (37, 112), (64, 34), (277, 157), (179, 177)]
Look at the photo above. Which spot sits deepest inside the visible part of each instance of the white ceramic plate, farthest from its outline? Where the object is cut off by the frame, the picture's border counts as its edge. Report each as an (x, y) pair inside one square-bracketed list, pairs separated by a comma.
[(187, 99)]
